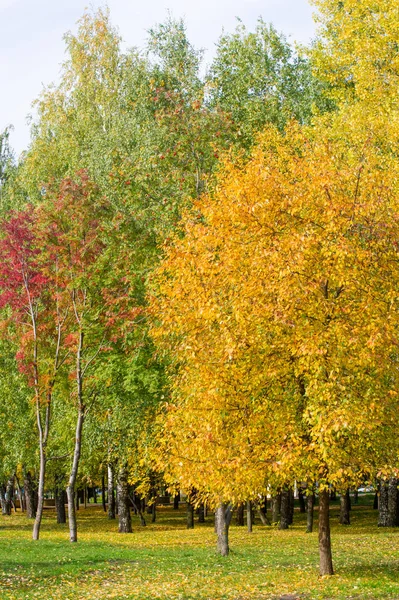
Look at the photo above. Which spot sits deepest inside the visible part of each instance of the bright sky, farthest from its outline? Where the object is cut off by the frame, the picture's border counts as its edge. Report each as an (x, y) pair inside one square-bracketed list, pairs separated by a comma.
[(32, 48)]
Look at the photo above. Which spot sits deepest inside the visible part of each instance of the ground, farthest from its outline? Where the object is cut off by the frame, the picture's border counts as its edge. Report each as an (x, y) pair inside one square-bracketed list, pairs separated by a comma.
[(168, 562)]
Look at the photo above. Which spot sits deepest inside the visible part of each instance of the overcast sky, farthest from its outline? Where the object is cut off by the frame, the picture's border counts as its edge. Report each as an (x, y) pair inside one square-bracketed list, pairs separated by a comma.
[(32, 48)]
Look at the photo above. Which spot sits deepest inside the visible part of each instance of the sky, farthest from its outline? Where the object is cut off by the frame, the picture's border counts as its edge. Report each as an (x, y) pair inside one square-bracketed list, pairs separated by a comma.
[(32, 47)]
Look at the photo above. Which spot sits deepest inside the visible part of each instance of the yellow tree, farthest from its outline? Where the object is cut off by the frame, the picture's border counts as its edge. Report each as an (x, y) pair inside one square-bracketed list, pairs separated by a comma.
[(278, 308)]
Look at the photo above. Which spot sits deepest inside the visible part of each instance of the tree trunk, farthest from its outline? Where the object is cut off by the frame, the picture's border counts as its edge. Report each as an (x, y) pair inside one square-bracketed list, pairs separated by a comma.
[(285, 510), (29, 496), (103, 494), (111, 493), (393, 499), (375, 502), (383, 516), (125, 521), (73, 532), (222, 523), (301, 499), (276, 508), (20, 494), (176, 500), (201, 513), (7, 496), (190, 514), (42, 469), (291, 506), (310, 513), (240, 515), (249, 517), (326, 566), (344, 515), (60, 498), (154, 511), (94, 495)]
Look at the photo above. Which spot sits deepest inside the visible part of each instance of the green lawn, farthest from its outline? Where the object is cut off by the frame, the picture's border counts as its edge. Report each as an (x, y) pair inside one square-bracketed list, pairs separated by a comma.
[(166, 561)]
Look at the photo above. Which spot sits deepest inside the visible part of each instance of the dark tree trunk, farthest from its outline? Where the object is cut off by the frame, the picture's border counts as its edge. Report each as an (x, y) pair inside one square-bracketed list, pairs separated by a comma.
[(29, 496), (240, 515), (356, 496), (111, 493), (190, 513), (393, 498), (375, 502), (344, 515), (276, 508), (60, 499), (383, 516), (125, 521), (77, 500), (176, 500), (7, 497), (326, 566), (103, 494), (20, 494), (310, 513), (249, 517), (285, 510), (301, 499), (333, 494), (222, 523), (94, 495), (154, 511), (201, 513)]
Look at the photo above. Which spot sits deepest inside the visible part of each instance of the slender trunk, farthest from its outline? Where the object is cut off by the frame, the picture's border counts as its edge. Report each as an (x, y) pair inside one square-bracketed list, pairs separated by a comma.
[(73, 533), (344, 515), (77, 500), (291, 506), (383, 515), (240, 515), (249, 517), (285, 510), (29, 496), (356, 496), (7, 497), (310, 512), (94, 495), (154, 511), (125, 521), (20, 494), (43, 434), (222, 523), (176, 500), (111, 493), (103, 493), (85, 496), (276, 508), (326, 566), (375, 501)]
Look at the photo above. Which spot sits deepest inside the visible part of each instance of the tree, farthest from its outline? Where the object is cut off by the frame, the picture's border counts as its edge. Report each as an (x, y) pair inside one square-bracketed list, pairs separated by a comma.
[(37, 323), (273, 307)]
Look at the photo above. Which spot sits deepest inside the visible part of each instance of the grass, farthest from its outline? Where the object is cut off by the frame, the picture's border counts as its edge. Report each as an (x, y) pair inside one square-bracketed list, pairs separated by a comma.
[(166, 561)]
